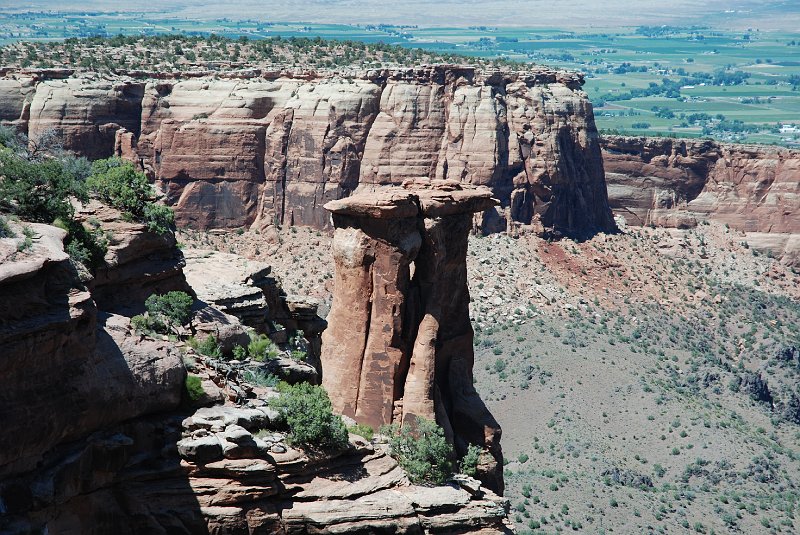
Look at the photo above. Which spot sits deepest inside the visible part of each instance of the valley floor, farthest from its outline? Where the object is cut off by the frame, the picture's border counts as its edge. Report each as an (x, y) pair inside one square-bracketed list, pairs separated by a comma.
[(645, 381)]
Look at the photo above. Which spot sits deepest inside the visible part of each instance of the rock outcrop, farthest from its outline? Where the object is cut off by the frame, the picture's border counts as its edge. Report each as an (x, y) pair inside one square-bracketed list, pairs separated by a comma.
[(233, 152), (229, 469), (245, 289), (679, 182), (98, 438), (399, 341), (137, 264), (67, 369)]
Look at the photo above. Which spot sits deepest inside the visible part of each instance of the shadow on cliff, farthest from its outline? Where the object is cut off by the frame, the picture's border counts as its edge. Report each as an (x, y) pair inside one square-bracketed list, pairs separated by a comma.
[(101, 456)]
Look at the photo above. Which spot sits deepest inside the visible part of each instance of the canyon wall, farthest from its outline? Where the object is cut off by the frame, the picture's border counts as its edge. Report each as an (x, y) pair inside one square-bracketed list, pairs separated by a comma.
[(680, 182), (69, 366), (234, 152)]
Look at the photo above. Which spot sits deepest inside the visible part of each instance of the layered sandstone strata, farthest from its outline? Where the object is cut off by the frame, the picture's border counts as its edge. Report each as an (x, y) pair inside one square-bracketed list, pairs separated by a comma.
[(95, 436), (229, 469), (66, 368), (137, 264), (233, 152), (679, 182), (399, 339)]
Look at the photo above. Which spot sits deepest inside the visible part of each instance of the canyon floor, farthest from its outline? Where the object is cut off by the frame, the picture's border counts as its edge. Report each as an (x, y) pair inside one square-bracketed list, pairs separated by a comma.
[(645, 381)]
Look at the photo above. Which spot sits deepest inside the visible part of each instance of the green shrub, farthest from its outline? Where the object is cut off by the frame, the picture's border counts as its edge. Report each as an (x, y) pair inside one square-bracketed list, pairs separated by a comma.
[(239, 352), (119, 184), (27, 241), (469, 463), (8, 137), (423, 451), (5, 229), (209, 346), (259, 378), (307, 411), (38, 191), (159, 218), (172, 309), (87, 246), (194, 387), (145, 324), (261, 348), (362, 430)]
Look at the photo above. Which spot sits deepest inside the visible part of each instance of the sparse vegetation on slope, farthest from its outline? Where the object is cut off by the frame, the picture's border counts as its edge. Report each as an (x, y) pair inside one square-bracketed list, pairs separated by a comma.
[(175, 52)]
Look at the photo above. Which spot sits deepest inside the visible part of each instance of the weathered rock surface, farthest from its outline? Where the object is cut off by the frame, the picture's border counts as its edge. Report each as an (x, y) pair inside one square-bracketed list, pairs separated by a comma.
[(399, 341), (209, 473), (59, 356), (138, 262), (678, 182), (233, 152), (226, 281), (244, 288)]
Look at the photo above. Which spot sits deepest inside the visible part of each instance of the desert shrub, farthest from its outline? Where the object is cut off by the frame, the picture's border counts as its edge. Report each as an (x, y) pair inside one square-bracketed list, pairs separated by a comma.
[(27, 240), (209, 346), (144, 324), (422, 451), (37, 186), (8, 136), (172, 309), (38, 191), (194, 387), (261, 348), (159, 218), (260, 378), (87, 246), (307, 411), (5, 229), (469, 463), (362, 430), (239, 352), (119, 184)]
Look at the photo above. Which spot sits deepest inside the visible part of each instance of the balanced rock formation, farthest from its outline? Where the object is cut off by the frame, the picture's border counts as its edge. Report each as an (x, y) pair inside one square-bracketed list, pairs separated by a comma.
[(233, 152), (679, 182), (399, 339)]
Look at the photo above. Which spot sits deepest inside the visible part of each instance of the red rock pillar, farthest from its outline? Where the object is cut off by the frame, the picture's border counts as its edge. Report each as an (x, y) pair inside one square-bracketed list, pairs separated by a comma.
[(363, 348), (399, 347)]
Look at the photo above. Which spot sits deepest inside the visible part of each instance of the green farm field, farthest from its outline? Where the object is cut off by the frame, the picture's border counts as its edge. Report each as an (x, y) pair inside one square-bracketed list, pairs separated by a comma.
[(731, 85)]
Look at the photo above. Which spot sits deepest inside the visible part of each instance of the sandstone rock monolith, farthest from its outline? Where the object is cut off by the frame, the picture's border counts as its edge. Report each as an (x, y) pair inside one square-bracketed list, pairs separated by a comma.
[(399, 341)]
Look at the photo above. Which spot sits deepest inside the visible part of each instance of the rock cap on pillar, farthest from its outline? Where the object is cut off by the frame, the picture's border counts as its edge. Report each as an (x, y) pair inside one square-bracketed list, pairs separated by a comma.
[(429, 198)]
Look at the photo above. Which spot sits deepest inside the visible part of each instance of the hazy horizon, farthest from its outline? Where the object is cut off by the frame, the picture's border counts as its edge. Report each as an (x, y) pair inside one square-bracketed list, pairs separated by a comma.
[(761, 14)]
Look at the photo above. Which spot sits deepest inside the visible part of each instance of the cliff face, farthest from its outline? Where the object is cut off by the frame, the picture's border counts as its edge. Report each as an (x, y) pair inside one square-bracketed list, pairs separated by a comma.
[(678, 182), (237, 152), (67, 368), (96, 437)]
